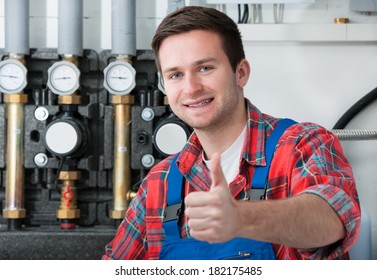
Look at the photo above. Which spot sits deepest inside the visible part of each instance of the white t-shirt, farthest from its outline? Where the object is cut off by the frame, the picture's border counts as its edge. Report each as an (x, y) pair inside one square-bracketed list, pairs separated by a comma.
[(230, 158)]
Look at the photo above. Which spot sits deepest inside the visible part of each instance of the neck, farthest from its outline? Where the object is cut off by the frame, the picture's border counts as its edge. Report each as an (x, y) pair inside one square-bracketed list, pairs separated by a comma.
[(220, 138)]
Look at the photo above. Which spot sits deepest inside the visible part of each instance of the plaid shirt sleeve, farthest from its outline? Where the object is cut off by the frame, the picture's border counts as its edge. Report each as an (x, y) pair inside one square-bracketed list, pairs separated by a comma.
[(317, 165), (130, 239)]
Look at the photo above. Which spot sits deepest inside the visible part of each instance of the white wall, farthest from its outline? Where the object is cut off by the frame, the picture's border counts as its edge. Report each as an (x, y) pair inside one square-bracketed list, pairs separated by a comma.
[(303, 79)]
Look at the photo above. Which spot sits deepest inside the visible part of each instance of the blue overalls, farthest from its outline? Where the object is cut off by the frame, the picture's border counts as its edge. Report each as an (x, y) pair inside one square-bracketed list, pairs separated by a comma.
[(176, 248)]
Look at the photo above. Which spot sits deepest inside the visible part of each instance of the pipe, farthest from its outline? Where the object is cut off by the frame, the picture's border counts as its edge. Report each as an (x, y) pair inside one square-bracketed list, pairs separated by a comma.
[(14, 191), (17, 27), (70, 47), (355, 109), (124, 48), (17, 45), (123, 27), (70, 27), (353, 134), (122, 154)]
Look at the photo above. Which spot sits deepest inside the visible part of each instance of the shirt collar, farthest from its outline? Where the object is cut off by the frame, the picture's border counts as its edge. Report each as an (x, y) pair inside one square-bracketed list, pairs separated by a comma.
[(253, 150)]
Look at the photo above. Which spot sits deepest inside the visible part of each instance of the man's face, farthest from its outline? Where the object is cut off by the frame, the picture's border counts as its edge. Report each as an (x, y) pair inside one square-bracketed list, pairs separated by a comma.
[(201, 86)]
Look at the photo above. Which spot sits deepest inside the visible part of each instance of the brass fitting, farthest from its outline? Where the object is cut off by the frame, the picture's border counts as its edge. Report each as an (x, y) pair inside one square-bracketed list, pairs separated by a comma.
[(71, 58), (19, 57), (125, 58), (118, 214), (69, 175), (14, 214), (130, 195), (16, 98), (123, 99), (341, 20), (68, 197), (69, 99)]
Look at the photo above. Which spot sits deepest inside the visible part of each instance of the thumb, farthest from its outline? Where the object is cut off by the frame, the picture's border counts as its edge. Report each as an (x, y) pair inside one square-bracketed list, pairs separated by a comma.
[(217, 175)]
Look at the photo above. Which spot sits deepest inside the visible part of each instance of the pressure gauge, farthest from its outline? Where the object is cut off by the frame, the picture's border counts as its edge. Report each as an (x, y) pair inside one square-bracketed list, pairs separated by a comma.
[(63, 78), (119, 78), (12, 76)]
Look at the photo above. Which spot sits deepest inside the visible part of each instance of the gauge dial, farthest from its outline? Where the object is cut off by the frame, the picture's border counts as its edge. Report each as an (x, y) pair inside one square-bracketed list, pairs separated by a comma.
[(12, 76), (119, 78), (63, 78)]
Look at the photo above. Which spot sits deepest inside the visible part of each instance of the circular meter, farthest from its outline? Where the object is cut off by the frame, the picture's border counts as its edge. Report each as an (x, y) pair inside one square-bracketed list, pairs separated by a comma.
[(12, 76), (170, 136), (63, 78), (65, 137), (119, 78)]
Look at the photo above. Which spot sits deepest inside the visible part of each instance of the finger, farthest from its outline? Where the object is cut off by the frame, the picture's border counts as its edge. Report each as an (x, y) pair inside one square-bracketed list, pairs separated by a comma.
[(217, 174), (201, 212), (199, 224), (197, 199)]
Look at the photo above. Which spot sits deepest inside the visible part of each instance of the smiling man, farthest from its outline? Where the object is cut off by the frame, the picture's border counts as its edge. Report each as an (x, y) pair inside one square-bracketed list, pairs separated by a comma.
[(246, 185)]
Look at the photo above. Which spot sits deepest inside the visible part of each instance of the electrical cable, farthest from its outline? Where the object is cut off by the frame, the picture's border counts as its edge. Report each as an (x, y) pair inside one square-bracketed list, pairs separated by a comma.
[(239, 13), (243, 17), (355, 109)]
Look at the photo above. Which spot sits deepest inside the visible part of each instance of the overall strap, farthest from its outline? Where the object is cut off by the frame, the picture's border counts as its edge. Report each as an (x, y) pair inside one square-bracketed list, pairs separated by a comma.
[(259, 181), (174, 200), (175, 180)]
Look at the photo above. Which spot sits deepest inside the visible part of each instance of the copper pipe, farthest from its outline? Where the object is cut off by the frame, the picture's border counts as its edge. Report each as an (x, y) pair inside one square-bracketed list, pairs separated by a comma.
[(14, 191), (122, 168)]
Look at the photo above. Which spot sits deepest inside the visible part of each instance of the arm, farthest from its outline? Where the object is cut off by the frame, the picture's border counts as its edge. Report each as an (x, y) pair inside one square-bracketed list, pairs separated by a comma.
[(322, 207), (303, 221)]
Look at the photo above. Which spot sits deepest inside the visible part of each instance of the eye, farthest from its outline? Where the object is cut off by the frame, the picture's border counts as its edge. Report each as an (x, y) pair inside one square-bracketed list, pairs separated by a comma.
[(205, 68), (175, 75)]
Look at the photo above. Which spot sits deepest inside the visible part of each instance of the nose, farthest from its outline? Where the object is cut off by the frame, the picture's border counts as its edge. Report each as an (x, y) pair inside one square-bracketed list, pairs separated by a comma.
[(192, 84)]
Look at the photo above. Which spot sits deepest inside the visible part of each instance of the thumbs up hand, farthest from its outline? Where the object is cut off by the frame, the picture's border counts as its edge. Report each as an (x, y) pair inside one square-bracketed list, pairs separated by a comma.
[(213, 215)]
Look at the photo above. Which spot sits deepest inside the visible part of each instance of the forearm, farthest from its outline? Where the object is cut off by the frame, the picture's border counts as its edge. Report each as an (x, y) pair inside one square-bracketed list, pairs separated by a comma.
[(302, 221)]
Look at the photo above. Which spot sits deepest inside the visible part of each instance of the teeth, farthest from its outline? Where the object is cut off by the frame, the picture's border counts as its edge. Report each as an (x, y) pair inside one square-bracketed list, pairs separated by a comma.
[(200, 104)]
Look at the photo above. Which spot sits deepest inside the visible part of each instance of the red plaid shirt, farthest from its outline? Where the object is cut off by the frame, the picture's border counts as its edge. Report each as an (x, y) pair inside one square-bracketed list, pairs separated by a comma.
[(308, 159)]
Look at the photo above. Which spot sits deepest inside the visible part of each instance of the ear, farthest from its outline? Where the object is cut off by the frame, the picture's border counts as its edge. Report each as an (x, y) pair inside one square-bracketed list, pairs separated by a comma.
[(243, 73)]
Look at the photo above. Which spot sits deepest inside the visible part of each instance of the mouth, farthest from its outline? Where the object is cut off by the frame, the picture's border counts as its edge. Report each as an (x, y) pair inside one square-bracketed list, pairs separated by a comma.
[(200, 104)]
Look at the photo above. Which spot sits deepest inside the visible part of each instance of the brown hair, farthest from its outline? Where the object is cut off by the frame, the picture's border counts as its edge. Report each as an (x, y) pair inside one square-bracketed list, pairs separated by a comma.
[(201, 18)]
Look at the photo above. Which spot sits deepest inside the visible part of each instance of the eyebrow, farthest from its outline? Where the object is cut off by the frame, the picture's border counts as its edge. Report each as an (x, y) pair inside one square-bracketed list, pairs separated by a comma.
[(196, 63)]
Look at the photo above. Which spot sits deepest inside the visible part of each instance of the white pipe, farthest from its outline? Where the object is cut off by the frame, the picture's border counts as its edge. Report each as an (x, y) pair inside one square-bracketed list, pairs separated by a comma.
[(70, 27), (17, 27), (123, 27)]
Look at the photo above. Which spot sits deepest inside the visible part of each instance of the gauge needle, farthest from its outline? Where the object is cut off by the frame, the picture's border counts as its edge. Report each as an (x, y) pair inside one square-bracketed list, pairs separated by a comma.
[(120, 78), (63, 78), (10, 76)]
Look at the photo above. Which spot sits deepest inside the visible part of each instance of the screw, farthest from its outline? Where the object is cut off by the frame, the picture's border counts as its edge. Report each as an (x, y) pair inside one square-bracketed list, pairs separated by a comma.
[(147, 114), (41, 160), (147, 160), (41, 113)]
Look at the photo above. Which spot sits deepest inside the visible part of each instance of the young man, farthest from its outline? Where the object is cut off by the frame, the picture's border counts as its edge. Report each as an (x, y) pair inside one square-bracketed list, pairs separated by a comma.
[(201, 203)]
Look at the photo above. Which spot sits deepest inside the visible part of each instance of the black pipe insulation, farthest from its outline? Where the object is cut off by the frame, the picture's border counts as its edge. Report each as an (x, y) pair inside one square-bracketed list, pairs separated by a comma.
[(355, 109)]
